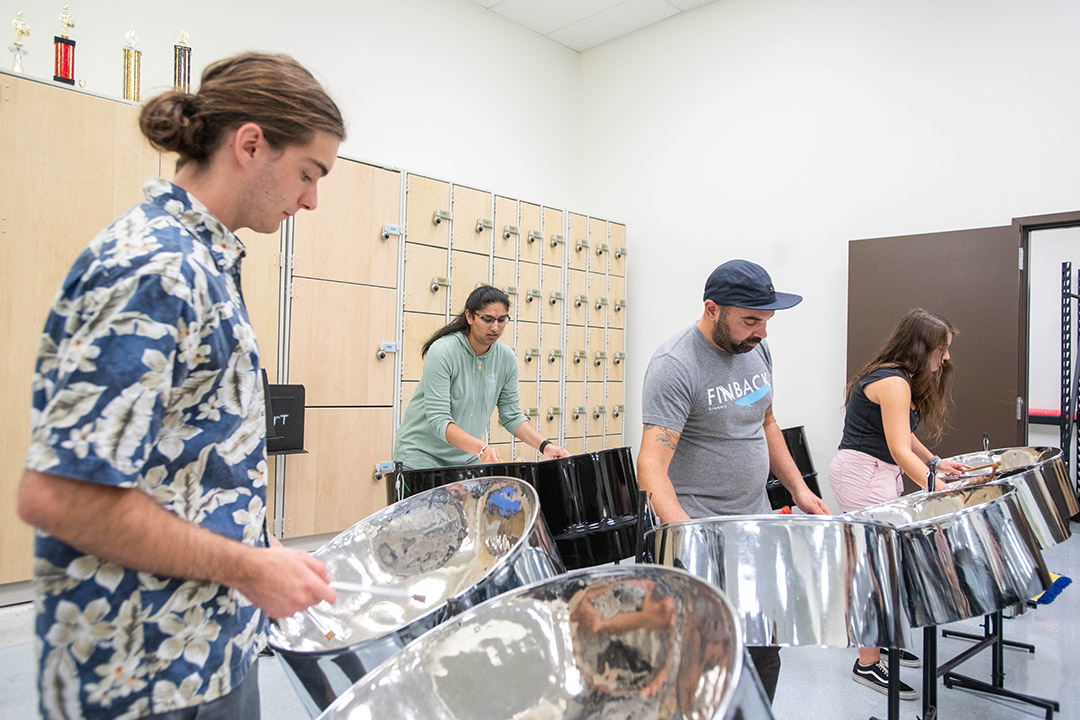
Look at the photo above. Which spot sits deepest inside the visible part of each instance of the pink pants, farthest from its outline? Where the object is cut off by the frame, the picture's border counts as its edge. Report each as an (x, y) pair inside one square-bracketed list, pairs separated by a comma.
[(859, 480)]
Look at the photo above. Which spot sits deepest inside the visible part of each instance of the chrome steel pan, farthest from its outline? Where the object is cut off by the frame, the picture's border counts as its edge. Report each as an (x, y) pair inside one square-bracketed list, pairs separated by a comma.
[(964, 552), (1042, 485), (628, 641), (456, 545), (802, 580)]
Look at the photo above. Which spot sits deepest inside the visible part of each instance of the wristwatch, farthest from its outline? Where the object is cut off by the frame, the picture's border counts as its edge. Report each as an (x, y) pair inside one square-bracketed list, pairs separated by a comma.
[(544, 445)]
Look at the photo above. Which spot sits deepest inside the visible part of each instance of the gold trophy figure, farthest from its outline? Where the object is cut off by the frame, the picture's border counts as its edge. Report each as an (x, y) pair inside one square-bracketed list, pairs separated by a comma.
[(21, 30)]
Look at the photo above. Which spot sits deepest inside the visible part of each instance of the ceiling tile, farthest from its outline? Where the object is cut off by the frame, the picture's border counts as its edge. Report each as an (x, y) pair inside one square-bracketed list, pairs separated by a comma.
[(545, 16), (622, 19)]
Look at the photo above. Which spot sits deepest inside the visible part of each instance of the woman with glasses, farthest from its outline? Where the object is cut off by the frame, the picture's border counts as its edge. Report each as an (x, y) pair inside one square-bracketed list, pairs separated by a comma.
[(906, 382), (467, 373)]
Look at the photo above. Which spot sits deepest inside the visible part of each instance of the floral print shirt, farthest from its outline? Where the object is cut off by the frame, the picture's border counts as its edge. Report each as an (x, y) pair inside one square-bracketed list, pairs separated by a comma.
[(148, 377)]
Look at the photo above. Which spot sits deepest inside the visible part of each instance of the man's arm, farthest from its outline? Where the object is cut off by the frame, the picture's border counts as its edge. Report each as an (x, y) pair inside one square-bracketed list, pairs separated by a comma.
[(784, 468), (657, 448), (126, 527)]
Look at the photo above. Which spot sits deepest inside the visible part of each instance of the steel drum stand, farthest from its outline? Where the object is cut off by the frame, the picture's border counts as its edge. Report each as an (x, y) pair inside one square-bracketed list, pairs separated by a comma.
[(993, 637), (894, 685)]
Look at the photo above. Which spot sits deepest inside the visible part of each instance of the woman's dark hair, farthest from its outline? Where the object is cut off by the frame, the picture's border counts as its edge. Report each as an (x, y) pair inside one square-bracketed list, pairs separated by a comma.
[(918, 334), (478, 299), (273, 91)]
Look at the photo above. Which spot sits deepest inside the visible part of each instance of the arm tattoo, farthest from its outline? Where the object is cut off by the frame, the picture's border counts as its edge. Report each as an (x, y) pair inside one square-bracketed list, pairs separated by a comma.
[(666, 437)]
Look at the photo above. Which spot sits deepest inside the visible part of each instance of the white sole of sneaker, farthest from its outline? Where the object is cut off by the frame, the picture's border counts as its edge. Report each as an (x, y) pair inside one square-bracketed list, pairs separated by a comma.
[(904, 694), (906, 663)]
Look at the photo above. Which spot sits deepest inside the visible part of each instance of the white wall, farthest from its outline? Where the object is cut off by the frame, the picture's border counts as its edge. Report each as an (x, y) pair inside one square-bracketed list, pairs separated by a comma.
[(778, 130), (442, 87)]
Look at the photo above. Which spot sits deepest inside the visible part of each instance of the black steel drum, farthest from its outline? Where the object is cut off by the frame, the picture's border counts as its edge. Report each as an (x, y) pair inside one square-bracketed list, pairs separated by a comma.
[(590, 501), (615, 643), (454, 546)]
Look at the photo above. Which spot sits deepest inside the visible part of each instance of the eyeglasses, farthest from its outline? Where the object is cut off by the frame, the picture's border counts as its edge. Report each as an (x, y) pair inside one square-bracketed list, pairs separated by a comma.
[(489, 320)]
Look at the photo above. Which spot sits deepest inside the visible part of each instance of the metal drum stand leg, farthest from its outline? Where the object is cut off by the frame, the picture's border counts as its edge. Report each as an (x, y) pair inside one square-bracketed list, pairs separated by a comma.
[(994, 638), (894, 685)]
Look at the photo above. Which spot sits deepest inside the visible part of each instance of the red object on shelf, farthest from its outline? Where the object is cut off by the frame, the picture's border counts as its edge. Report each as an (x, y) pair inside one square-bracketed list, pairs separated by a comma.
[(786, 510)]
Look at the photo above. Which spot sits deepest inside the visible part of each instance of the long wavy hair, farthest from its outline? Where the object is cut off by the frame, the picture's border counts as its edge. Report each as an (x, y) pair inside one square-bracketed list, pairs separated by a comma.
[(918, 334), (478, 299)]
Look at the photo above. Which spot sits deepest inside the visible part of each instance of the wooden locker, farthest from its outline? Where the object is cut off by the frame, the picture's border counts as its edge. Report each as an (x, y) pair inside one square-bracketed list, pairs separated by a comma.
[(551, 410), (529, 297), (72, 163), (527, 390), (575, 446), (594, 443), (504, 277), (577, 298), (598, 357), (350, 237), (616, 355), (599, 247), (467, 272), (496, 432), (554, 250), (614, 441), (471, 229), (617, 259), (417, 328), (616, 301), (408, 389), (576, 412), (577, 243), (336, 367), (595, 410), (531, 241), (426, 279), (552, 353), (524, 453), (507, 230), (616, 409), (261, 282), (551, 284), (528, 352), (333, 485), (427, 211), (598, 300), (577, 357)]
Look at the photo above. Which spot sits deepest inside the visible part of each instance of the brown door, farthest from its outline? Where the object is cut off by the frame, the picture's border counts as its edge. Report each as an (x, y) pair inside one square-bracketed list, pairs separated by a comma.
[(971, 277)]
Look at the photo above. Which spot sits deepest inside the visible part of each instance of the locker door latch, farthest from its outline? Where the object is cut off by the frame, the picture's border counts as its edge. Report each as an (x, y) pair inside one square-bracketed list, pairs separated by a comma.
[(384, 348), (388, 230)]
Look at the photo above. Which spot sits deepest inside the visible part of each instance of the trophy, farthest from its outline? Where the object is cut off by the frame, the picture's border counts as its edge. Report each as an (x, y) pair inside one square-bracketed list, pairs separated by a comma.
[(21, 31), (182, 63), (64, 50), (132, 66)]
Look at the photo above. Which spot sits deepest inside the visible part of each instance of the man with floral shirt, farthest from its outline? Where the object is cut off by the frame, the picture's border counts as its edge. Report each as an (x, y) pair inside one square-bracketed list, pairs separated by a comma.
[(146, 475)]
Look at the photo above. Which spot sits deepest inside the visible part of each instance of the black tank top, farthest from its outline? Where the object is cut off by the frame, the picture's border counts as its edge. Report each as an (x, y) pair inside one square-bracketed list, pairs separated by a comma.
[(863, 429)]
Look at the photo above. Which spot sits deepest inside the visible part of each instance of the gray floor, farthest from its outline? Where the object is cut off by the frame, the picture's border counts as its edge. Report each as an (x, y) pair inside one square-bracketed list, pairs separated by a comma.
[(814, 682)]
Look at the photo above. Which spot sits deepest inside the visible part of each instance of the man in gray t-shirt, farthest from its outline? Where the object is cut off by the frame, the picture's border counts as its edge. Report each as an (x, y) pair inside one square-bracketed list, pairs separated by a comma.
[(710, 437)]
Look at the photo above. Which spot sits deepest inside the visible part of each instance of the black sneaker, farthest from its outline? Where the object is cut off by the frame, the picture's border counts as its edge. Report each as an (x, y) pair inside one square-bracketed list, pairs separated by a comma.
[(906, 659), (876, 676)]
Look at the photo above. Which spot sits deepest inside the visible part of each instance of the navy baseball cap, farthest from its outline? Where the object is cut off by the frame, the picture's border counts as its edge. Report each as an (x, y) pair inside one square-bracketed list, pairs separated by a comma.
[(741, 283)]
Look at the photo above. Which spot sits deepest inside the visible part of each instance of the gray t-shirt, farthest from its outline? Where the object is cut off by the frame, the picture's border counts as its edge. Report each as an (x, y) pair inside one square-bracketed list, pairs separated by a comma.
[(717, 402)]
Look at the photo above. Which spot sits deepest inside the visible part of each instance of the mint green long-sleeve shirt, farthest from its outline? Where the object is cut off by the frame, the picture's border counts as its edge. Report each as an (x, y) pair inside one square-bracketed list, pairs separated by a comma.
[(462, 387)]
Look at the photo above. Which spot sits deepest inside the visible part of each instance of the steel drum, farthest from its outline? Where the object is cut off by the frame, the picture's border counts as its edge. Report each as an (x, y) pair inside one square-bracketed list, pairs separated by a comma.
[(456, 546), (1042, 485), (590, 501), (965, 552), (796, 580), (629, 641)]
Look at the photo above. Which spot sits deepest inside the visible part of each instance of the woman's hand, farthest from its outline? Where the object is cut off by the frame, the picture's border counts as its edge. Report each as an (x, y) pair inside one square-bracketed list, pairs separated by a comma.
[(553, 451), (490, 455), (948, 467)]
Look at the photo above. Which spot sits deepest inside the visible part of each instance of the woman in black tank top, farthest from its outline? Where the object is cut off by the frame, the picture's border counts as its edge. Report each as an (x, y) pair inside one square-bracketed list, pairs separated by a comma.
[(906, 384)]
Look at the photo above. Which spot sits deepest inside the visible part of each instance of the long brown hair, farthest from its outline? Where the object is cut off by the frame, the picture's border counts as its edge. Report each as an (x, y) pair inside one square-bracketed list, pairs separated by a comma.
[(478, 299), (273, 91), (918, 334)]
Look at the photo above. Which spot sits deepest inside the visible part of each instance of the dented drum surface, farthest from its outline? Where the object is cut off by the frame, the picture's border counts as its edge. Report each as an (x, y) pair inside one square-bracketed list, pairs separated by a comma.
[(796, 580), (456, 545), (630, 641), (1043, 488), (965, 552)]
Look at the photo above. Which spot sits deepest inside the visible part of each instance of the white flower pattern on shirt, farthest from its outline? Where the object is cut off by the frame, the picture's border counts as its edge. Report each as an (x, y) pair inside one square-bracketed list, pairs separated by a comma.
[(148, 377)]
